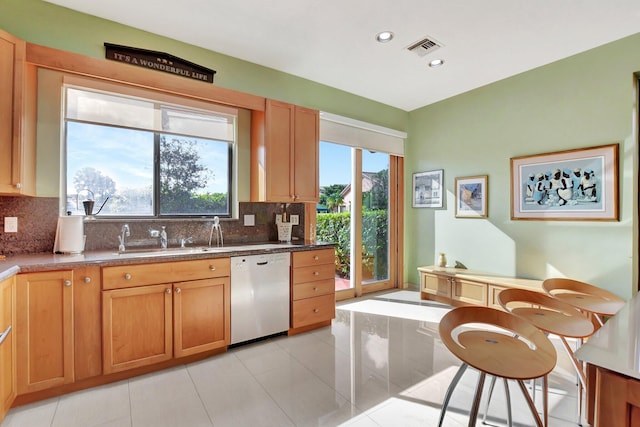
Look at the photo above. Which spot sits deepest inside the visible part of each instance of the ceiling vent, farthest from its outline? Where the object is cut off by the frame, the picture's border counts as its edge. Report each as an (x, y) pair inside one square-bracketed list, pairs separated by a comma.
[(424, 46)]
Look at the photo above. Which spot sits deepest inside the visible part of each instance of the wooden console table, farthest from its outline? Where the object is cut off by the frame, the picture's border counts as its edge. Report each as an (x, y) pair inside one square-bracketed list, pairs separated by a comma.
[(459, 287)]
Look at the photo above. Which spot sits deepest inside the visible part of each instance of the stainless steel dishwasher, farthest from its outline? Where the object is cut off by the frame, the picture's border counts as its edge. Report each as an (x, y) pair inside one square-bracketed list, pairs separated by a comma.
[(259, 296)]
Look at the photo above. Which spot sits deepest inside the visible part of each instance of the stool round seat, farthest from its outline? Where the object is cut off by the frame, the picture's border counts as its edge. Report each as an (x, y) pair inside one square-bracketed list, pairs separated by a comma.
[(528, 355), (548, 314), (500, 344), (584, 296)]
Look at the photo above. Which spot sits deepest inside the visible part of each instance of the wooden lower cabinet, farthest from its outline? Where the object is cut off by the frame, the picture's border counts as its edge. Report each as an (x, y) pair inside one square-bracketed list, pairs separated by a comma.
[(467, 292), (87, 324), (617, 400), (145, 325), (137, 327), (44, 325), (201, 315), (313, 300), (8, 385), (435, 285)]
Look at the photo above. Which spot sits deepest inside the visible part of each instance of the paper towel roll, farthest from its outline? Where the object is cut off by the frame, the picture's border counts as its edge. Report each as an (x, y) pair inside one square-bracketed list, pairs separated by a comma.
[(69, 235)]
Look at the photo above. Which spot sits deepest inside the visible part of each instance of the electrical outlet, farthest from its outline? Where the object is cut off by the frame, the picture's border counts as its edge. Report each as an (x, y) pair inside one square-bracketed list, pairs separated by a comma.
[(249, 220), (10, 224), (294, 219)]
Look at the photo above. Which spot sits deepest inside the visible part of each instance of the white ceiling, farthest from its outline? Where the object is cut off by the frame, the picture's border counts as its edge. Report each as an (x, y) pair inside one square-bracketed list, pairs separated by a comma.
[(333, 41)]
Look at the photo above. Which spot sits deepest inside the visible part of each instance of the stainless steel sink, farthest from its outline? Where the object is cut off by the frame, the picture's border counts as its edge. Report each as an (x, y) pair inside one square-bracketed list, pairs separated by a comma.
[(132, 253)]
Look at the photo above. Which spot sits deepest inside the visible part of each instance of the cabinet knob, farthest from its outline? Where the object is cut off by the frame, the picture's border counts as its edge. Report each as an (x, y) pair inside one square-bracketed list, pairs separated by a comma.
[(178, 290), (315, 310), (315, 289), (87, 279), (67, 283), (212, 267), (127, 276), (315, 273), (167, 291), (316, 257), (18, 185)]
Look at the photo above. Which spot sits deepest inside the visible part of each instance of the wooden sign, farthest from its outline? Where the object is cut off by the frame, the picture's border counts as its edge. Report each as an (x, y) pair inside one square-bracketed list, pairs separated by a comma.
[(158, 61)]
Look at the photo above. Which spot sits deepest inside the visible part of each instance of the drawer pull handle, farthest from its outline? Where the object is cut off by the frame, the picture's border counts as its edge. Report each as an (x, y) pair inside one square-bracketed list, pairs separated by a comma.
[(178, 290), (167, 291), (212, 267), (315, 273), (5, 334), (315, 289), (67, 283), (127, 276), (315, 257), (315, 310), (87, 279)]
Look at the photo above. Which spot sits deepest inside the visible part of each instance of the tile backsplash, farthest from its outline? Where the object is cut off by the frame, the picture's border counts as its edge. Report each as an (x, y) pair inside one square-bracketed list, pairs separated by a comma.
[(38, 217)]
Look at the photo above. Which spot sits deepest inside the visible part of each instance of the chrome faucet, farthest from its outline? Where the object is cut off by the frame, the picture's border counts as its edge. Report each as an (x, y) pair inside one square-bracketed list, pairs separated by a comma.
[(163, 238), (124, 232), (216, 226), (185, 240)]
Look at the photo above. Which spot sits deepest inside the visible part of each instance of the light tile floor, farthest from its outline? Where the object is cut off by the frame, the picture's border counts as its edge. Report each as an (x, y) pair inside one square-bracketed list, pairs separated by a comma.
[(381, 363)]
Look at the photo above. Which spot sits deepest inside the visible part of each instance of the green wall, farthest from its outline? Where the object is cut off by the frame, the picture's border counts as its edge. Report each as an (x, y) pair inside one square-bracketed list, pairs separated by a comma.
[(582, 101)]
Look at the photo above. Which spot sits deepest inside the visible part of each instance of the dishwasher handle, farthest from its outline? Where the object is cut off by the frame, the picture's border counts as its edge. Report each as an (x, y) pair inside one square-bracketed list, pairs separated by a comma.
[(262, 263), (5, 334)]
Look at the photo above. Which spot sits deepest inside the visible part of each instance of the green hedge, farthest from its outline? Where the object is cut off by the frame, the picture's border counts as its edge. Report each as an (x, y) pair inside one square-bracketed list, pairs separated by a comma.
[(336, 228)]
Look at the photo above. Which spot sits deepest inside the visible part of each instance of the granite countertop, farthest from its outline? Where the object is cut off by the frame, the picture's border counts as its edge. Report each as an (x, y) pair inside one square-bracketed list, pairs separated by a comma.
[(47, 262), (615, 346)]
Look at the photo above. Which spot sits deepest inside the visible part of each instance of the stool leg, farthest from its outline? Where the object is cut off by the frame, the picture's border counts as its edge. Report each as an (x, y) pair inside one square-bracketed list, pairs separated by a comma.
[(473, 415), (532, 405), (486, 406), (447, 396), (506, 390)]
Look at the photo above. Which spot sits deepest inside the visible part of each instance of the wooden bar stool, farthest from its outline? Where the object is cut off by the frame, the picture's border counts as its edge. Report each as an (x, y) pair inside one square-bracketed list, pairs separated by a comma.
[(590, 299), (497, 343), (552, 316)]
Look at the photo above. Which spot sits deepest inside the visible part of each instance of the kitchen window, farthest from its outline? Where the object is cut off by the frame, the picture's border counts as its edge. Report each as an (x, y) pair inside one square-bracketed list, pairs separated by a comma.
[(140, 156)]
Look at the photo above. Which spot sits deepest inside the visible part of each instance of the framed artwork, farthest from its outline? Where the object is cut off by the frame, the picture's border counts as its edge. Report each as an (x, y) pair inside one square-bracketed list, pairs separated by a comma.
[(471, 197), (428, 189), (577, 185)]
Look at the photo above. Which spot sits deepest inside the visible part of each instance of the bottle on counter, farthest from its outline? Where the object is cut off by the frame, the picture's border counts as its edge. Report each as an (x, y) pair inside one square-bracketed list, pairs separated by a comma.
[(442, 260)]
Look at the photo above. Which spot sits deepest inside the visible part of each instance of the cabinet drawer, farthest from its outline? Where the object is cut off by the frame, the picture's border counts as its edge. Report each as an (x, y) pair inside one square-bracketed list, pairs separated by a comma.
[(314, 273), (315, 257), (436, 285), (313, 289), (313, 310), (469, 292), (127, 276)]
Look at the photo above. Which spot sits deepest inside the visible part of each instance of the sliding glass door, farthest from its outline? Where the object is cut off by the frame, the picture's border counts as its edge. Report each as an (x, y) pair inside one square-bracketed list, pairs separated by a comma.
[(355, 211)]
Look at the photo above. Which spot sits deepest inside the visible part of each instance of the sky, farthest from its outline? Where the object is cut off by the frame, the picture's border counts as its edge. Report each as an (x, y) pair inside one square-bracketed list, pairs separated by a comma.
[(335, 163)]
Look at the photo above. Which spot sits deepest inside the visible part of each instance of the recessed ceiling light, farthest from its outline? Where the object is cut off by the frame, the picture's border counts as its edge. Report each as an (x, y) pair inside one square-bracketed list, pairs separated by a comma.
[(436, 63), (384, 36)]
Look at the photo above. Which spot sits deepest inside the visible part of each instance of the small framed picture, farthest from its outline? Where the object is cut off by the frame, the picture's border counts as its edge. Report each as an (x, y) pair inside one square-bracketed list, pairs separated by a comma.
[(575, 185), (428, 189), (471, 197)]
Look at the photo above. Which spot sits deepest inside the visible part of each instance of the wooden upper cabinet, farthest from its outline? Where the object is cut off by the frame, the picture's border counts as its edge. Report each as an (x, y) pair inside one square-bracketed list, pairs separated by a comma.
[(284, 164), (17, 118)]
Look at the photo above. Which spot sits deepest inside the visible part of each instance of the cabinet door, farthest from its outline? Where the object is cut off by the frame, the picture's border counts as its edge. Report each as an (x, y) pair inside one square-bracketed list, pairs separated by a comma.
[(279, 161), (87, 322), (44, 315), (201, 315), (617, 400), (435, 285), (17, 118), (8, 386), (136, 327), (306, 187)]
